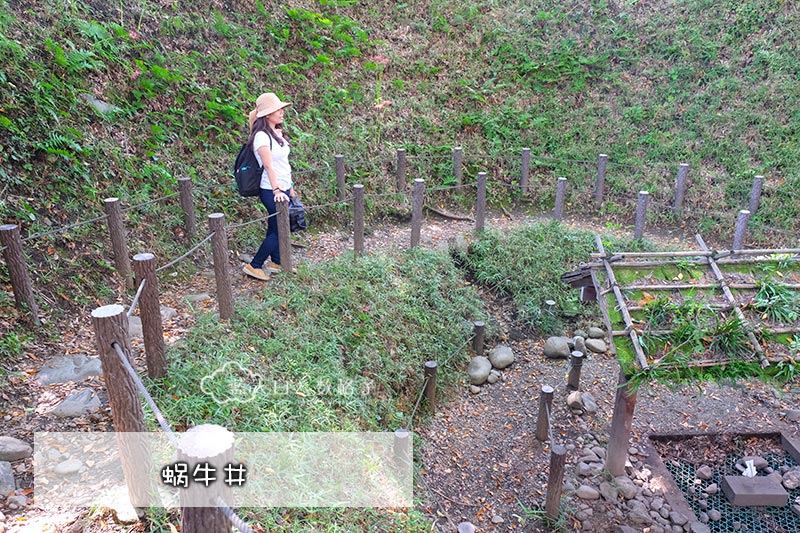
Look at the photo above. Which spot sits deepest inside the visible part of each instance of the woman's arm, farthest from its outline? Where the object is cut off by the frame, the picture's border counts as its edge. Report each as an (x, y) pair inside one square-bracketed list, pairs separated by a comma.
[(266, 159)]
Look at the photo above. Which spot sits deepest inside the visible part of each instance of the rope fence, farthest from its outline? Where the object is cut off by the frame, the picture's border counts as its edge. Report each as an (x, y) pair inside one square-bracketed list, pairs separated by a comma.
[(188, 253), (63, 228), (128, 418), (457, 157), (162, 421), (138, 295)]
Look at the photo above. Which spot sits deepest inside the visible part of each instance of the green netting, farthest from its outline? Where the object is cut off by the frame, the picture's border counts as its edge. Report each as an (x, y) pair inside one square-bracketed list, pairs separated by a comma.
[(736, 519)]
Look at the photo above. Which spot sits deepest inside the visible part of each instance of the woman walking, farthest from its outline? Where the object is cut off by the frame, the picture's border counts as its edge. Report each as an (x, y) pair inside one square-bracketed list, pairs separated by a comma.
[(271, 148)]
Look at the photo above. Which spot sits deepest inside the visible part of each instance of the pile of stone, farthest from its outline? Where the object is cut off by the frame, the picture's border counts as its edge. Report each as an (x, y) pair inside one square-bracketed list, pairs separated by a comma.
[(587, 342), (12, 454), (484, 370), (637, 499)]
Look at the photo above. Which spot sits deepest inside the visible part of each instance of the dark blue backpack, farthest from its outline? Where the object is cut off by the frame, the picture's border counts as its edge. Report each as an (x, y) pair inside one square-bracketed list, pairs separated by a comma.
[(247, 171)]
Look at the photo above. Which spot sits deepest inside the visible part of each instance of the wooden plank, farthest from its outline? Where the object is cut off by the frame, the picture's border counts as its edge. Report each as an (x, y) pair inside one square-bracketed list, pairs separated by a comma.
[(641, 265), (706, 252), (729, 296), (622, 307), (601, 301), (675, 286)]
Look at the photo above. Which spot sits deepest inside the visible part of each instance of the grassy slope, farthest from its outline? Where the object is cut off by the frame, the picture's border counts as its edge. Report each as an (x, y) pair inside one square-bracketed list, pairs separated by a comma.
[(714, 84)]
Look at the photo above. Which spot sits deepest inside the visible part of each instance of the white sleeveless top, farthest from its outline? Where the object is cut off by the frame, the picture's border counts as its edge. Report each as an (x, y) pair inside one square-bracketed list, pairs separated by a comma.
[(280, 161)]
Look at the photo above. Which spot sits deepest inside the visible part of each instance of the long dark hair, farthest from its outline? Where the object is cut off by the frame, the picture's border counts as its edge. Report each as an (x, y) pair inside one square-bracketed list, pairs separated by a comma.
[(261, 124)]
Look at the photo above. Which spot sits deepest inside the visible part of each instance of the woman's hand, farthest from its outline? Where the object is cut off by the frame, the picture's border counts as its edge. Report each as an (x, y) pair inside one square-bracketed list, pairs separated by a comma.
[(280, 196)]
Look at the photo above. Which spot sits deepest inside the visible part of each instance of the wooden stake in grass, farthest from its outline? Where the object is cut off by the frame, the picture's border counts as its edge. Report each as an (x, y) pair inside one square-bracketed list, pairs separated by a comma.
[(358, 219), (480, 205), (458, 164), (555, 481), (119, 245), (219, 249), (401, 170), (430, 385), (418, 196), (18, 271), (187, 204), (525, 171), (402, 448), (574, 376), (641, 214), (144, 265), (680, 187), (210, 445), (741, 229), (543, 418), (479, 332), (600, 181), (621, 421), (561, 190), (340, 184), (111, 330), (755, 194), (284, 236)]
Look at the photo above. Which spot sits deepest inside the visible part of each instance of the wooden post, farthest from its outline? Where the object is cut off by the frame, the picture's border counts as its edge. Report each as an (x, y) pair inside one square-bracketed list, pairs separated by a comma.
[(401, 170), (144, 265), (119, 245), (211, 445), (561, 190), (458, 164), (418, 196), (555, 481), (430, 385), (621, 420), (600, 182), (641, 214), (340, 185), (402, 448), (284, 236), (755, 194), (479, 332), (526, 170), (741, 229), (18, 271), (219, 249), (543, 418), (480, 205), (187, 204), (574, 376), (680, 187), (358, 219), (111, 327)]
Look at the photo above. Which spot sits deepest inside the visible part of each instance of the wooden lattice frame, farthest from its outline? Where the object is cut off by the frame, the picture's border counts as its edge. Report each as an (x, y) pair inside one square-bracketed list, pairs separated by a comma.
[(610, 293)]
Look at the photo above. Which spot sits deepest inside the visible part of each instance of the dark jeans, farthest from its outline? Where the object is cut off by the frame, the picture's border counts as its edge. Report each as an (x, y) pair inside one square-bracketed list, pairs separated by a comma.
[(269, 248)]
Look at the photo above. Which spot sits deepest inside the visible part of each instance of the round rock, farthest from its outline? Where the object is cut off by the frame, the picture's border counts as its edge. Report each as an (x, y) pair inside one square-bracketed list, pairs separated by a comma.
[(585, 492), (501, 357), (556, 348), (70, 466), (7, 483), (466, 527), (63, 369), (77, 403), (597, 345), (12, 449), (479, 369), (595, 333)]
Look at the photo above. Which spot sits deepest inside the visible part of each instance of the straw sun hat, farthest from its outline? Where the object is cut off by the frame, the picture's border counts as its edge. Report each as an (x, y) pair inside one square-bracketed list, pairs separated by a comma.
[(266, 104)]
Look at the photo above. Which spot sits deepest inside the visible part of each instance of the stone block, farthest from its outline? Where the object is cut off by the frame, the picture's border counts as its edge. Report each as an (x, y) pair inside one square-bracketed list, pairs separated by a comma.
[(792, 446), (759, 491)]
